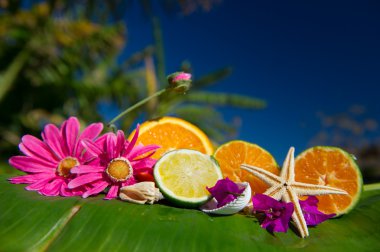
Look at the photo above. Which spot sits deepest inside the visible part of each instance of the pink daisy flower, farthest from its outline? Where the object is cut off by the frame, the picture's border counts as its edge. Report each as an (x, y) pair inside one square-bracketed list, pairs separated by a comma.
[(48, 162), (119, 164)]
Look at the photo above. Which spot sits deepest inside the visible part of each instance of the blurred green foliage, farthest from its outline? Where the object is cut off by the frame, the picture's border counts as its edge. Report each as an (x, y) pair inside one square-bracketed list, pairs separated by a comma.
[(60, 58)]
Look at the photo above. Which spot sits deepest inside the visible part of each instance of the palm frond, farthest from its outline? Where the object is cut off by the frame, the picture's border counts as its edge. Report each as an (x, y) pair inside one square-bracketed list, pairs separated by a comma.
[(211, 78), (8, 77), (225, 99), (159, 49), (138, 57)]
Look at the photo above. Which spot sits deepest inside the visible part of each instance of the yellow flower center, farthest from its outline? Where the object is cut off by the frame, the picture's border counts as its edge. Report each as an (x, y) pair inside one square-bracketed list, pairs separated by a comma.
[(66, 165), (119, 169)]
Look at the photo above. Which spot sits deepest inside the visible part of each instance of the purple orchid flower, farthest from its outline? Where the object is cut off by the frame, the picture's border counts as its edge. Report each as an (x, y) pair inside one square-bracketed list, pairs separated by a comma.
[(311, 213), (225, 191), (277, 214)]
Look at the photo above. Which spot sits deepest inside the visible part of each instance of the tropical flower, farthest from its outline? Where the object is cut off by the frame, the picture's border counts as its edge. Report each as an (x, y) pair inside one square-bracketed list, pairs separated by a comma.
[(225, 191), (179, 82), (119, 164), (277, 213), (49, 162), (311, 213)]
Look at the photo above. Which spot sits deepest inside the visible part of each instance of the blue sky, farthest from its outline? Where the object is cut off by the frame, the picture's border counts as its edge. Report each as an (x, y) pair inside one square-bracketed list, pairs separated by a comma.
[(302, 57)]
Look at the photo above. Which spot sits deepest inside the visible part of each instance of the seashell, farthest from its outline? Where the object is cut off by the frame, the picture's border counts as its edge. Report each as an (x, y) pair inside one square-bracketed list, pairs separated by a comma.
[(141, 193), (231, 208)]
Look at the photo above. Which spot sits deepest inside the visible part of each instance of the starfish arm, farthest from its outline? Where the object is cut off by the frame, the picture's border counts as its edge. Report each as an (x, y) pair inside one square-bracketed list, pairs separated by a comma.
[(310, 189), (297, 216), (287, 170), (268, 177), (275, 192)]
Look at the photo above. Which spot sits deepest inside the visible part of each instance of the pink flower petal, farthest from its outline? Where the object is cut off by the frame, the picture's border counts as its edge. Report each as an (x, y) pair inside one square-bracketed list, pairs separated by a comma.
[(112, 193), (90, 133), (40, 184), (102, 139), (120, 142), (97, 188), (32, 178), (52, 188), (86, 157), (111, 144), (66, 192), (92, 148), (144, 163), (80, 169), (32, 146), (84, 179), (31, 164), (133, 141), (143, 150), (70, 131), (130, 181), (52, 136), (135, 149)]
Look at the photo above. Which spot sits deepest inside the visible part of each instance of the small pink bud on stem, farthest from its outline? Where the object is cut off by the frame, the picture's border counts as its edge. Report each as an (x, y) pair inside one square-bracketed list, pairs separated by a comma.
[(179, 82)]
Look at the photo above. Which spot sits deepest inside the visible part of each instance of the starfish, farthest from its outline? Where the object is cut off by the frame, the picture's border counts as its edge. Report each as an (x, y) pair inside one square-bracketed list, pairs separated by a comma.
[(284, 187)]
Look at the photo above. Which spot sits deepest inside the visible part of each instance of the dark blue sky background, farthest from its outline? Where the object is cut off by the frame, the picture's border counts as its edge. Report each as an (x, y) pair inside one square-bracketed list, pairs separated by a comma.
[(302, 57)]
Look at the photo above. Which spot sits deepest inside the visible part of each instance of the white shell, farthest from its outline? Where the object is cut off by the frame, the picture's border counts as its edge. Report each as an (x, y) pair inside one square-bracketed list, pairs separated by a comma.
[(231, 208), (140, 193)]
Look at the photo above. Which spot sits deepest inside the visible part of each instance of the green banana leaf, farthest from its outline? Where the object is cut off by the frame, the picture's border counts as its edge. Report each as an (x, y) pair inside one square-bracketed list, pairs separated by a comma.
[(30, 222)]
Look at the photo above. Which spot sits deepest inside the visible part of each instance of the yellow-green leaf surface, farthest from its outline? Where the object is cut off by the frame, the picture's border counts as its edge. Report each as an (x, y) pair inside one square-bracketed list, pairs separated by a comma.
[(30, 222)]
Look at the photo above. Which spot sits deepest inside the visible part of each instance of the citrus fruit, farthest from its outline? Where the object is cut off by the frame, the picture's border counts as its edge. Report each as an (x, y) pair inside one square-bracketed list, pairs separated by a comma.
[(234, 153), (330, 166), (182, 176), (173, 133)]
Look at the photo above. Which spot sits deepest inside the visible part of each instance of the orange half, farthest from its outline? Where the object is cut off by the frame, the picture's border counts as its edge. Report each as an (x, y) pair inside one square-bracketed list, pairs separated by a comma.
[(173, 133), (235, 153), (333, 167)]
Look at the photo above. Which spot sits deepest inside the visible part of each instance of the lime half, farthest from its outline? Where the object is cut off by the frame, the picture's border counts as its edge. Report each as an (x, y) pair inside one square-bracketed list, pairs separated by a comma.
[(182, 176)]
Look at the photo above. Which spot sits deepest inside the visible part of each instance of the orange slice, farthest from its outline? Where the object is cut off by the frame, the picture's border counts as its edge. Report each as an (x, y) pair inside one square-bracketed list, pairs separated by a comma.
[(333, 167), (234, 153), (173, 133)]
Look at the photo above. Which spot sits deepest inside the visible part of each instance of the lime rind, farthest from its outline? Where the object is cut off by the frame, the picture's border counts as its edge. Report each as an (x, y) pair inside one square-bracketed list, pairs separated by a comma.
[(352, 160), (177, 199)]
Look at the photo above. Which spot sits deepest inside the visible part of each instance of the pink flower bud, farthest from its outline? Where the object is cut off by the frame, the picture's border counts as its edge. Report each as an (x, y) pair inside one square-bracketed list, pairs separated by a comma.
[(182, 76), (179, 82)]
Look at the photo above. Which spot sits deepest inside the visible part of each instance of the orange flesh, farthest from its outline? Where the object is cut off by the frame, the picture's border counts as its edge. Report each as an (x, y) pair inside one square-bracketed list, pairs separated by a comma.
[(330, 167), (173, 133), (231, 155)]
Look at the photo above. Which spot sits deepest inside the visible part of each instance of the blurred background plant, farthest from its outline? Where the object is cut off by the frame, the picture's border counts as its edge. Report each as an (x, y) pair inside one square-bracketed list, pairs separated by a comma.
[(355, 131), (61, 58)]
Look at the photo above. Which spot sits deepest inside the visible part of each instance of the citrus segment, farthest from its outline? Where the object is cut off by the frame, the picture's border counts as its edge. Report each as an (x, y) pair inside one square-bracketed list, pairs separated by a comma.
[(173, 133), (234, 153), (333, 167), (182, 176)]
